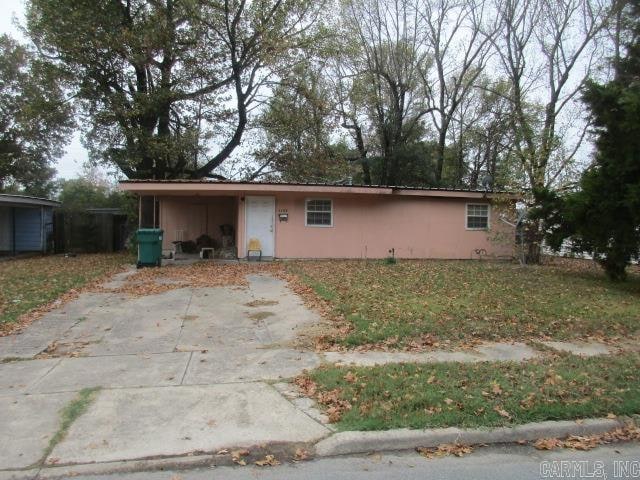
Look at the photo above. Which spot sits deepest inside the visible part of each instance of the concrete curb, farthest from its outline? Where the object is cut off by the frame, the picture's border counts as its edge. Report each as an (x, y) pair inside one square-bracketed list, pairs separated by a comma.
[(347, 443), (125, 466), (342, 443), (122, 466)]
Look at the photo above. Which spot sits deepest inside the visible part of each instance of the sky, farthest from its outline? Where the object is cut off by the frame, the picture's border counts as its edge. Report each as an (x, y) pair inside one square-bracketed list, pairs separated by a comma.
[(70, 165)]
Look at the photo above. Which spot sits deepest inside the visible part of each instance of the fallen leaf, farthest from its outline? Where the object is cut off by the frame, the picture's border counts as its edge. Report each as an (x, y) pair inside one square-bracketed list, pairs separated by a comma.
[(445, 449), (547, 443), (502, 412), (236, 456), (301, 454), (268, 461), (496, 389), (350, 377)]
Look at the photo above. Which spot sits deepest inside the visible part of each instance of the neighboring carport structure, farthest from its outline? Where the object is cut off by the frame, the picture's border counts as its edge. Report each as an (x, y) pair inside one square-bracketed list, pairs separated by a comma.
[(26, 223)]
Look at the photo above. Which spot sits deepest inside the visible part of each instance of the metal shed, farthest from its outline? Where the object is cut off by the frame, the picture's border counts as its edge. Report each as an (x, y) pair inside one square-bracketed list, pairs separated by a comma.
[(26, 223)]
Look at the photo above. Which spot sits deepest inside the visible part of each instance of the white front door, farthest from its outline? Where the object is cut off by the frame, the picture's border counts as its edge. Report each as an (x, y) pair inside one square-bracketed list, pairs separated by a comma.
[(260, 218)]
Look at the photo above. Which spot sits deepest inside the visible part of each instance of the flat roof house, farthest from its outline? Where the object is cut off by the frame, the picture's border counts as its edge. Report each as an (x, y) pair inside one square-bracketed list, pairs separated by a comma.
[(301, 220), (26, 223)]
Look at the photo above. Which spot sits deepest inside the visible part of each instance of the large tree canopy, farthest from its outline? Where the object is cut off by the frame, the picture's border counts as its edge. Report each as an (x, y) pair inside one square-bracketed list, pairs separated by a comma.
[(35, 120), (431, 92), (166, 86)]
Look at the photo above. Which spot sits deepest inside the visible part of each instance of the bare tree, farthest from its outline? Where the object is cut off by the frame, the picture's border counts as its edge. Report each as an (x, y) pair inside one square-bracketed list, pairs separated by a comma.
[(459, 35), (482, 136), (350, 104), (387, 60), (547, 50)]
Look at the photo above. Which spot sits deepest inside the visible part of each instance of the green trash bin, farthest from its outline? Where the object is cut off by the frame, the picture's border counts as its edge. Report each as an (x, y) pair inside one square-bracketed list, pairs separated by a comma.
[(149, 247)]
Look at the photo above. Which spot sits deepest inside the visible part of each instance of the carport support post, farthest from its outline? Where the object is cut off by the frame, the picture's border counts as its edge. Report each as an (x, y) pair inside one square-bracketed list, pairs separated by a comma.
[(139, 212), (42, 240), (13, 230)]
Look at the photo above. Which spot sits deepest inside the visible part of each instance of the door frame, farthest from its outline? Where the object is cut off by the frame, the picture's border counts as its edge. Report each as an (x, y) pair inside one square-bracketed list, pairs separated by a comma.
[(246, 224)]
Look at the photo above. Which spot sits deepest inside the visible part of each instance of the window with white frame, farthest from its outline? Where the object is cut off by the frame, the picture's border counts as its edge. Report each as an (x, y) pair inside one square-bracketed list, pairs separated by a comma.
[(477, 216), (318, 212)]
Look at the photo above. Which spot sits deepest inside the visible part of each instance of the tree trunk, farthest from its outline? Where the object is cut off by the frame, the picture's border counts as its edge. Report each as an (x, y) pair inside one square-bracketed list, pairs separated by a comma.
[(442, 138), (366, 171), (533, 238)]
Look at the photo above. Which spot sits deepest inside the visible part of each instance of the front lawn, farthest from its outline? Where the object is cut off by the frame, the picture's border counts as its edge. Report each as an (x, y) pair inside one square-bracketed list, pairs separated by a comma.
[(483, 394), (33, 282), (428, 302)]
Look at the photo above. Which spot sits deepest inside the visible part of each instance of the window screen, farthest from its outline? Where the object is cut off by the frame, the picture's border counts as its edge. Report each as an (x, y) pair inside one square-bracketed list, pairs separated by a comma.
[(477, 216), (318, 213)]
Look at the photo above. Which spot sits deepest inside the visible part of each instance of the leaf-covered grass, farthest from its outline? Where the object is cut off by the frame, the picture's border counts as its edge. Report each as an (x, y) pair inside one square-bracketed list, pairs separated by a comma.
[(483, 394), (32, 282), (461, 301)]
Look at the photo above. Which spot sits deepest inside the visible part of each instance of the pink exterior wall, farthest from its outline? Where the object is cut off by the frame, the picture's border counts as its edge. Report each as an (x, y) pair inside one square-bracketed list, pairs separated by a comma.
[(195, 216), (368, 226), (364, 226)]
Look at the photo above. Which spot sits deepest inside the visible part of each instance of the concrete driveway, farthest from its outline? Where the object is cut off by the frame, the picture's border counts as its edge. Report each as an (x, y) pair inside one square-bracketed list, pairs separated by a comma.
[(184, 372)]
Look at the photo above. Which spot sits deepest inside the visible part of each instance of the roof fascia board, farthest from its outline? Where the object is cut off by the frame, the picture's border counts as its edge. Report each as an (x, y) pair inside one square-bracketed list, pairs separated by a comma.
[(453, 193), (231, 188), (160, 188)]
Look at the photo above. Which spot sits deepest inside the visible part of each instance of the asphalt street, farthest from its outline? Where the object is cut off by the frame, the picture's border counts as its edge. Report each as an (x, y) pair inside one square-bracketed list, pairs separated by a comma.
[(488, 463)]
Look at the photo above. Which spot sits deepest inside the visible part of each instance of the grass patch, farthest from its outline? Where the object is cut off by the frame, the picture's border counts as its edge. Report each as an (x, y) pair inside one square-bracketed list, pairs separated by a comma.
[(460, 301), (14, 359), (30, 283), (323, 290), (69, 414), (477, 395), (259, 316), (261, 303)]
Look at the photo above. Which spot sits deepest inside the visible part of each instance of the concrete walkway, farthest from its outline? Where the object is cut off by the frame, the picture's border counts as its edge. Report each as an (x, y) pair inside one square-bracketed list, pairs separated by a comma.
[(182, 372), (485, 352)]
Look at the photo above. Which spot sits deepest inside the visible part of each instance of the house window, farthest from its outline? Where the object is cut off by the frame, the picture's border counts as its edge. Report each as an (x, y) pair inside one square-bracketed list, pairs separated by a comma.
[(477, 216), (318, 213)]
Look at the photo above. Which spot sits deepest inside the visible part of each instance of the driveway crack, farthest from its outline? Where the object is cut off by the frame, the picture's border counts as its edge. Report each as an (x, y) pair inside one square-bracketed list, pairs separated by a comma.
[(184, 315), (186, 369), (39, 380)]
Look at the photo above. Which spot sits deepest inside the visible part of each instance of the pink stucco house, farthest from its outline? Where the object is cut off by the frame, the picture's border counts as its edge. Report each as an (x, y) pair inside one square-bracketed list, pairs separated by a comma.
[(291, 220)]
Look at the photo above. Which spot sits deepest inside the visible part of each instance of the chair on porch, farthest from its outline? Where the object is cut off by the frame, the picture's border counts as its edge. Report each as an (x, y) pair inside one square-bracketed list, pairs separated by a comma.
[(177, 243), (254, 248)]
